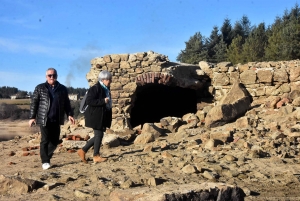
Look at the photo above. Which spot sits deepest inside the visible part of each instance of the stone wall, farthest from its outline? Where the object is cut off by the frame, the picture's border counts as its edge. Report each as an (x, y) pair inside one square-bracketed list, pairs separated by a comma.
[(132, 70), (261, 79)]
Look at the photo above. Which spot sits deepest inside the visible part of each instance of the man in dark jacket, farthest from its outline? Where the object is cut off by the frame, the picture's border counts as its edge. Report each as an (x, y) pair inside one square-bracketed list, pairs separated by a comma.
[(50, 102)]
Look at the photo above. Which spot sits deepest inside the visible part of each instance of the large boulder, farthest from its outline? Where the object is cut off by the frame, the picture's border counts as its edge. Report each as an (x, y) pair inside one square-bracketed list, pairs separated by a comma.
[(16, 185), (234, 104)]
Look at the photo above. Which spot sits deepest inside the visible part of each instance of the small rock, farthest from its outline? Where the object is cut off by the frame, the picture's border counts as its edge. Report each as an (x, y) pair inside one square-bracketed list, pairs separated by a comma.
[(148, 148), (229, 158), (81, 194), (166, 154), (189, 169), (127, 184), (209, 175)]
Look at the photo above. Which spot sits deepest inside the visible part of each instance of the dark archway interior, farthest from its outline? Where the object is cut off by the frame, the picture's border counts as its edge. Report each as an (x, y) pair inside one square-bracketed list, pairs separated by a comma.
[(155, 101)]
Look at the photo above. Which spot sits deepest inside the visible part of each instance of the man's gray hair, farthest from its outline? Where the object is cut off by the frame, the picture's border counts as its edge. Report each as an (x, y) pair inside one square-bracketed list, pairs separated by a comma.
[(104, 75), (51, 69)]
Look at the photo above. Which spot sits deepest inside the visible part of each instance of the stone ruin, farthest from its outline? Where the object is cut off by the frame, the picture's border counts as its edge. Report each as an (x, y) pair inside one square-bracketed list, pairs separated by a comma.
[(146, 87)]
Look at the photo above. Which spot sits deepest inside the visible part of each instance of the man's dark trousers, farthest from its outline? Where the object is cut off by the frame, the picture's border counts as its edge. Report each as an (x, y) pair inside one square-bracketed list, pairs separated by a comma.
[(49, 141)]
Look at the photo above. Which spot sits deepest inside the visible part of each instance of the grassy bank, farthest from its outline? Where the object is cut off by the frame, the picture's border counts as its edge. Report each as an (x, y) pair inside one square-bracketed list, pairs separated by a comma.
[(21, 103)]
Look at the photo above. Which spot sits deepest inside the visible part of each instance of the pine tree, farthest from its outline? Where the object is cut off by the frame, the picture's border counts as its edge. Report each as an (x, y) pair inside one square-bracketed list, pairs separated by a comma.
[(226, 31), (284, 37), (211, 44), (242, 28), (290, 34), (272, 51), (220, 52), (234, 52), (255, 43), (195, 50)]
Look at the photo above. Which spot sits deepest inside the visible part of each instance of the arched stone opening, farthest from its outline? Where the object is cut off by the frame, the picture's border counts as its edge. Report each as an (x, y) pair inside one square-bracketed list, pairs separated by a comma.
[(155, 101), (135, 75)]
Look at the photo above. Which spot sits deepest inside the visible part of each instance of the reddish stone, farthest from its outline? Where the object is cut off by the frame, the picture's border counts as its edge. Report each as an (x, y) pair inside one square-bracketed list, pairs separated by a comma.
[(25, 154), (25, 149), (236, 139), (280, 104), (164, 145), (70, 137), (71, 151), (11, 153), (191, 120), (152, 77)]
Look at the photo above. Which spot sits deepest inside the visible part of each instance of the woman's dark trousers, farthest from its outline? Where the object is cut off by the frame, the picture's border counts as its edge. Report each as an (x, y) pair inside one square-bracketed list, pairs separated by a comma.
[(95, 141), (49, 141)]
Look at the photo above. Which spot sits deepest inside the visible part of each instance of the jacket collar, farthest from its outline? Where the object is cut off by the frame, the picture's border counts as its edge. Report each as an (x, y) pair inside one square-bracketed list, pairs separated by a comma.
[(56, 85)]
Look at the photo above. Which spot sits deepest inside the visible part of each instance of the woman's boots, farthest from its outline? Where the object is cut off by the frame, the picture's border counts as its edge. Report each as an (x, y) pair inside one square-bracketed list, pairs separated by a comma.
[(81, 154), (98, 159)]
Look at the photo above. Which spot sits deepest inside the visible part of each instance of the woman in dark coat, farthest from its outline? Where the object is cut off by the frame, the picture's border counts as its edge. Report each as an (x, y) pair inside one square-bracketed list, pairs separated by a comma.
[(98, 115)]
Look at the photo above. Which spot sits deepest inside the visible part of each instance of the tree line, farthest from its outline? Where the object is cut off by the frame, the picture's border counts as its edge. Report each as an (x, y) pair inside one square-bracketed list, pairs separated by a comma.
[(13, 112), (242, 42), (6, 92)]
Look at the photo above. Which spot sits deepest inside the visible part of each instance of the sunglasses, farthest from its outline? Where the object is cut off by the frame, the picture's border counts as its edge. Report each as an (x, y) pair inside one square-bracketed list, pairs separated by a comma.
[(52, 75)]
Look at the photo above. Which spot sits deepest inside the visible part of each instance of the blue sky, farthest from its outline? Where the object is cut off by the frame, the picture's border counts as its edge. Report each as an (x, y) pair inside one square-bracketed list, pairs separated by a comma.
[(66, 35)]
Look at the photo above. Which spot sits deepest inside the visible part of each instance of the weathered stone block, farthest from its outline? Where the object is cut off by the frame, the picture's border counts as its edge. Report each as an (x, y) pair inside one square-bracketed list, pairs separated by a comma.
[(113, 65), (233, 77), (124, 64), (248, 77), (264, 75), (116, 86), (115, 58), (124, 57), (107, 58), (130, 87), (280, 75), (295, 74), (220, 79)]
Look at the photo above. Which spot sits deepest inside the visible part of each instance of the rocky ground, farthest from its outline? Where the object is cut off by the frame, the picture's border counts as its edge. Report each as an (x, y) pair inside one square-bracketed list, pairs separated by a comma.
[(255, 157)]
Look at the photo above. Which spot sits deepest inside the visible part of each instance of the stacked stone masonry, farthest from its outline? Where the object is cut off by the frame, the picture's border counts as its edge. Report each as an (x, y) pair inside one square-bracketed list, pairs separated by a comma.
[(129, 71), (261, 79)]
